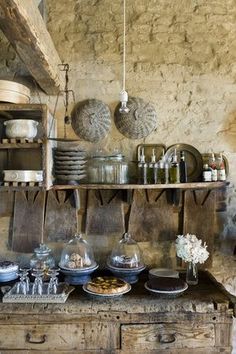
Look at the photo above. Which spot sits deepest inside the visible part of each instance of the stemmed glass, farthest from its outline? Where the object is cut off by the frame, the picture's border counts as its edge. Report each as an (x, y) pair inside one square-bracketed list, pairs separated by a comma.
[(37, 288), (53, 282), (23, 285)]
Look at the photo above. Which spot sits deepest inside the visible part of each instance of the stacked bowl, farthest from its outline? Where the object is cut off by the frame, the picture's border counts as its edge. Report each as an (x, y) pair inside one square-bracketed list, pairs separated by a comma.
[(69, 164)]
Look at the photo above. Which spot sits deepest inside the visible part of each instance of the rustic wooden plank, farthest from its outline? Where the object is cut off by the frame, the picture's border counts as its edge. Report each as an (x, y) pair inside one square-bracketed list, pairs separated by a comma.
[(199, 218), (6, 203), (27, 221), (105, 214), (20, 146), (194, 185), (60, 211), (152, 218), (165, 336), (223, 332), (22, 24)]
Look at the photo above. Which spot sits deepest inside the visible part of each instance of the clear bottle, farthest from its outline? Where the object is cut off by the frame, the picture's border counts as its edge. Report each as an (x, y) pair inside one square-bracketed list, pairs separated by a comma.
[(206, 173), (167, 174), (182, 168), (174, 169), (161, 173), (212, 164), (150, 171), (142, 169), (221, 175)]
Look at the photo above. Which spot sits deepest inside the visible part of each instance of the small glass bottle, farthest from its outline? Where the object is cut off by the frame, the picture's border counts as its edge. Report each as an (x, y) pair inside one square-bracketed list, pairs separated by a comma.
[(161, 179), (221, 175), (206, 173), (212, 164), (142, 169), (182, 168), (174, 169), (150, 171), (167, 174)]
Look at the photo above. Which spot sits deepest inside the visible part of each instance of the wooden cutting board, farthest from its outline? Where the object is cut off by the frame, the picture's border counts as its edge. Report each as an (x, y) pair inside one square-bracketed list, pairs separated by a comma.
[(6, 203), (27, 221), (105, 213), (199, 217), (60, 216), (152, 218)]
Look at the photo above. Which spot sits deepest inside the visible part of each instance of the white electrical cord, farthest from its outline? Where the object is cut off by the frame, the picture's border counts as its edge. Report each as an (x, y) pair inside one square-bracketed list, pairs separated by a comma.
[(123, 93)]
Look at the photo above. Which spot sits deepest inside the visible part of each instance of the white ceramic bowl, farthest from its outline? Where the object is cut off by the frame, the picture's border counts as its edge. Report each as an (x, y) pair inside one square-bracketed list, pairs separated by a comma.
[(21, 128)]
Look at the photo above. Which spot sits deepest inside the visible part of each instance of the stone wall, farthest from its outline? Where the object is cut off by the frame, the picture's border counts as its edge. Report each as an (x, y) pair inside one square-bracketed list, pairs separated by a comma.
[(180, 56)]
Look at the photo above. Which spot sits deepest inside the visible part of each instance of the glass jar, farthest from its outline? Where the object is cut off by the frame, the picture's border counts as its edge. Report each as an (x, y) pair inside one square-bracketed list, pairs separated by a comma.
[(116, 170), (77, 255), (95, 170), (42, 258)]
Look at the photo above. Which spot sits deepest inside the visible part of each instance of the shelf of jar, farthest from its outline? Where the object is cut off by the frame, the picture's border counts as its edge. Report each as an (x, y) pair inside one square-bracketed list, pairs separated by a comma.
[(34, 145), (192, 185)]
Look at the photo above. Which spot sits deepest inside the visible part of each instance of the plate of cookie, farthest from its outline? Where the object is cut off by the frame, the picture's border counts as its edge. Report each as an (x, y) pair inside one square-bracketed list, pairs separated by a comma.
[(107, 286)]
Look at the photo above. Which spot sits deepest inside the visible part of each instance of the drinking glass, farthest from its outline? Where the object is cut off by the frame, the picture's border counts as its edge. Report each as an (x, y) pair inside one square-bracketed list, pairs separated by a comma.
[(53, 282), (37, 288)]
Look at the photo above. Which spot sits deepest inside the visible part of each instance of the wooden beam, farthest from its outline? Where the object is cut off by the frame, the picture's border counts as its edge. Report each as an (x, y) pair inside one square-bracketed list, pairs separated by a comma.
[(22, 24)]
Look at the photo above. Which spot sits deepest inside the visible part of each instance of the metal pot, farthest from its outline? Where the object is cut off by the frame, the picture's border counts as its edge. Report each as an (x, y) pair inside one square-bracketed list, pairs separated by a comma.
[(21, 128)]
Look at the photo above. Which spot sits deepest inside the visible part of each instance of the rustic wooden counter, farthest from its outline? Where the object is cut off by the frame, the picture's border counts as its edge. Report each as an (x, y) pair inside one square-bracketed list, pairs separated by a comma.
[(200, 321)]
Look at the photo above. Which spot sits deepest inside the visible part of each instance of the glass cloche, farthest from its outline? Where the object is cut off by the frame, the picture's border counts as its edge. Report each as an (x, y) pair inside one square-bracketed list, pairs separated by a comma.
[(77, 261), (42, 258), (126, 254), (77, 255)]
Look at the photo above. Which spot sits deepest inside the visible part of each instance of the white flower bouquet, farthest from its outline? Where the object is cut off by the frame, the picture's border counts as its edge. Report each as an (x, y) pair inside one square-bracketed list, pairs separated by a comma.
[(191, 249)]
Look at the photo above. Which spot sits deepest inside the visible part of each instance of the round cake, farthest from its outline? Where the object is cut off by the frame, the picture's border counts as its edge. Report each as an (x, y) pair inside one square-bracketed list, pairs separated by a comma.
[(166, 284), (8, 267), (107, 285)]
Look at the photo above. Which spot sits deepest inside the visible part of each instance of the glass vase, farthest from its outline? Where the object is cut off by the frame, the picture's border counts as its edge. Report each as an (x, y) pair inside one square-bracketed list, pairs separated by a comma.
[(192, 273)]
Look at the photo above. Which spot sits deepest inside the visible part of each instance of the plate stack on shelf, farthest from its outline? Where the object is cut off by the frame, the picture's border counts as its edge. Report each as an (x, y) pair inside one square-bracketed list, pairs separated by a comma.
[(69, 164)]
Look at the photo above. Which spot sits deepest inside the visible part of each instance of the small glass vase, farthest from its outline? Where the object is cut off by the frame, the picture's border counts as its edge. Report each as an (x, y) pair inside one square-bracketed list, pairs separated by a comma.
[(192, 273)]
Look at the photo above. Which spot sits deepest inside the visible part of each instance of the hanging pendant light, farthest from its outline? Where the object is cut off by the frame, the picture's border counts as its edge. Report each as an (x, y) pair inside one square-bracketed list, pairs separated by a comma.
[(124, 94)]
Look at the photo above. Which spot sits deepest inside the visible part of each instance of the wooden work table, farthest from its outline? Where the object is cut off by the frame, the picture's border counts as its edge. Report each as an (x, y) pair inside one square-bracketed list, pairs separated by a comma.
[(199, 321)]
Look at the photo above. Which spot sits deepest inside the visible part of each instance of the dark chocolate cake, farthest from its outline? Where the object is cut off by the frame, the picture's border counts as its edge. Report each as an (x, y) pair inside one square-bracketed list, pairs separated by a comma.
[(166, 284)]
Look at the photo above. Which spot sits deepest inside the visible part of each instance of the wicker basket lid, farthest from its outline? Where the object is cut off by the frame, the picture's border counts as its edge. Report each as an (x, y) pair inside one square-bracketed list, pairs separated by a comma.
[(139, 122), (91, 120)]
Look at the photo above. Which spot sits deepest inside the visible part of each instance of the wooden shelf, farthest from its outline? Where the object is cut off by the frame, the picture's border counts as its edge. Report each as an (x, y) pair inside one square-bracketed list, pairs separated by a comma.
[(193, 185), (20, 146), (20, 188)]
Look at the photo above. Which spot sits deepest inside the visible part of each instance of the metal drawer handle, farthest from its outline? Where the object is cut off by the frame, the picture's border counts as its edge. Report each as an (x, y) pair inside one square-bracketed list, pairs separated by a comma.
[(166, 338), (40, 341)]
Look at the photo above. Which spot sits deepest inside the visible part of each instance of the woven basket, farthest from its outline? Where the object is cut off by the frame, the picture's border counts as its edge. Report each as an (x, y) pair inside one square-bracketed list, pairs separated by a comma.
[(91, 120), (139, 122)]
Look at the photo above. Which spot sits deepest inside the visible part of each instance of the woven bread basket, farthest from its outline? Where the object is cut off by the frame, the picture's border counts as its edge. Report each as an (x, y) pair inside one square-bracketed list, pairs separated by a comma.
[(91, 120), (139, 122)]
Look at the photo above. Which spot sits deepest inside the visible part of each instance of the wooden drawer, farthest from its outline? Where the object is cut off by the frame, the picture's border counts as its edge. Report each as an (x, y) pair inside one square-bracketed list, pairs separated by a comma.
[(167, 335), (58, 337)]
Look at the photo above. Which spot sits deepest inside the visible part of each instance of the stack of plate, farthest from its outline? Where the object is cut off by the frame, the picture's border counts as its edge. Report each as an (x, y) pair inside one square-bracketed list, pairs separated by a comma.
[(69, 164)]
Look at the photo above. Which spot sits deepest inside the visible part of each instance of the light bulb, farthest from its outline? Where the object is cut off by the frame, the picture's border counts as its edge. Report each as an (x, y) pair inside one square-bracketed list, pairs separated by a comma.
[(124, 99)]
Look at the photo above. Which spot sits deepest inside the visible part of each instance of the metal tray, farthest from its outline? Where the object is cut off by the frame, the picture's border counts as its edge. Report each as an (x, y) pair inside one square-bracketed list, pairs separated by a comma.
[(61, 296), (148, 150), (193, 160)]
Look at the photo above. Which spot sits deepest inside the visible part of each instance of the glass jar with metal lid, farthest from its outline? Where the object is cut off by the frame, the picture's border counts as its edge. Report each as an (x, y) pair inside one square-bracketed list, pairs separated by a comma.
[(42, 258), (112, 169)]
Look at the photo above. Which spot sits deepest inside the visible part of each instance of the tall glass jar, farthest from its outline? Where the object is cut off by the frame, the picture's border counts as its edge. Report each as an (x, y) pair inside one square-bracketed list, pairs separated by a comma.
[(116, 170)]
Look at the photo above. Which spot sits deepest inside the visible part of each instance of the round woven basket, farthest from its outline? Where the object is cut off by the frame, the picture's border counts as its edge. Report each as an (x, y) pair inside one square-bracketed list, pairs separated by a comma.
[(139, 122), (91, 120)]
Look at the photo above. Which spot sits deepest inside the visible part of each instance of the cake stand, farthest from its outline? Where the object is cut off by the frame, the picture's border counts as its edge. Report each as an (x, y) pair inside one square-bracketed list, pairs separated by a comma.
[(130, 275), (78, 276)]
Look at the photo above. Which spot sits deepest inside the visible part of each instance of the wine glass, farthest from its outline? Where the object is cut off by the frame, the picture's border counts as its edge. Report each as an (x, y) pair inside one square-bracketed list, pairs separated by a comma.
[(37, 288), (53, 282)]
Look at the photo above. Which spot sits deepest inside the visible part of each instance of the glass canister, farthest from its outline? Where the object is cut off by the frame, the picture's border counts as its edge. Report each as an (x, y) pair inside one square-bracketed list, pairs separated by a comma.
[(116, 170), (95, 170), (42, 258)]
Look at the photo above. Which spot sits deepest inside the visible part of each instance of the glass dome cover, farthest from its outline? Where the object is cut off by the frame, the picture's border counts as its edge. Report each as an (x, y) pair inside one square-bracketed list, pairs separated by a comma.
[(126, 254), (77, 255)]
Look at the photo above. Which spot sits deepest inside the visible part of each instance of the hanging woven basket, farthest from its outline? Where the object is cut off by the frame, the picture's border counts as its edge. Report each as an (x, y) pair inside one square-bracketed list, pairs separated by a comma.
[(91, 120), (139, 122)]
